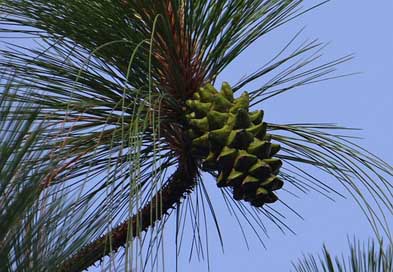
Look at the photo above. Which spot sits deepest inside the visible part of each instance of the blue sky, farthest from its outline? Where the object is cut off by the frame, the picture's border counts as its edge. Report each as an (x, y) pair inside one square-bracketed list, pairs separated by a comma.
[(362, 101)]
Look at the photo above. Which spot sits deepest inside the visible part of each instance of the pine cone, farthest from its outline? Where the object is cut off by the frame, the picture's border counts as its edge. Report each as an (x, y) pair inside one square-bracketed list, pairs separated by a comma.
[(233, 141)]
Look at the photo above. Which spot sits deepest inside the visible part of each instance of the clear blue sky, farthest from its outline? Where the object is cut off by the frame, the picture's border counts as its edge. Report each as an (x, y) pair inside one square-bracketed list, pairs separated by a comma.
[(364, 101)]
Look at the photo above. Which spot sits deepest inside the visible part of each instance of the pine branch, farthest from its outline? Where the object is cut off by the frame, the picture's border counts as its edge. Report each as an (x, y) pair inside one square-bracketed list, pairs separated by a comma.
[(180, 183)]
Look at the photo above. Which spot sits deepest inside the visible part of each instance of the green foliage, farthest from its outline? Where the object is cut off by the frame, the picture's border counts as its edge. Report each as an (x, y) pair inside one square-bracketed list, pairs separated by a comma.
[(24, 219), (373, 257), (96, 124)]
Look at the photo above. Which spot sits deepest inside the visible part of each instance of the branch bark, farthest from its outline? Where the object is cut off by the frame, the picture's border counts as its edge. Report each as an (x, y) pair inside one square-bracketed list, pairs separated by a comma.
[(181, 182)]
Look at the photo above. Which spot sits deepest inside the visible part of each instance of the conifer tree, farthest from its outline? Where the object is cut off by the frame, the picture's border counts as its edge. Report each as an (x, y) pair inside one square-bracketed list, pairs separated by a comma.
[(111, 118)]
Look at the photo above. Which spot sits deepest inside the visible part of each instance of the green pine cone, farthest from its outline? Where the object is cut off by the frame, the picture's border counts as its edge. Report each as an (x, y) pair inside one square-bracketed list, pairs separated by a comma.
[(233, 141)]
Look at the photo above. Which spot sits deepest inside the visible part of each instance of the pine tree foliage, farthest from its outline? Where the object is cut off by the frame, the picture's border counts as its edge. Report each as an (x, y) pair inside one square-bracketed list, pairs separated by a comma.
[(370, 257), (102, 96)]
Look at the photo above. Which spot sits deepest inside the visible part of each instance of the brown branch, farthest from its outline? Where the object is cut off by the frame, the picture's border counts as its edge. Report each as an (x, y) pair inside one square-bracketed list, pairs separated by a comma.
[(188, 63), (181, 182)]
